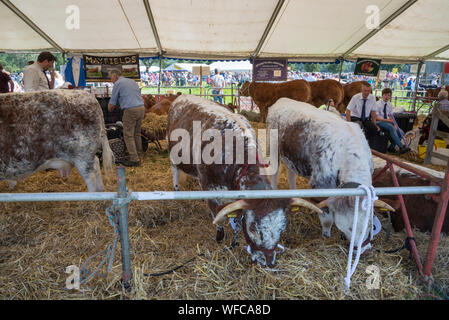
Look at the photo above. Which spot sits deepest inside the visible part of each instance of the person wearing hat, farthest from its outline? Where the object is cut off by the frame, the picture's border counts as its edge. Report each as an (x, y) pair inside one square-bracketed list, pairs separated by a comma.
[(34, 76), (6, 83)]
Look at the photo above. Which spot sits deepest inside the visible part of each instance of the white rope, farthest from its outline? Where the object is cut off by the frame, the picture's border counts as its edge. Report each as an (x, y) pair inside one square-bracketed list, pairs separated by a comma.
[(368, 206)]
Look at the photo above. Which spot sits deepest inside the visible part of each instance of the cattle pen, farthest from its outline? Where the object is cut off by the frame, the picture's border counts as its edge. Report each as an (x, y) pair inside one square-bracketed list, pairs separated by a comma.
[(122, 198)]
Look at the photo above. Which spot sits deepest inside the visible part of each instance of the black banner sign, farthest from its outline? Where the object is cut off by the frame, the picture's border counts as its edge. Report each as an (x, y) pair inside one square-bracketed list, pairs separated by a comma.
[(96, 68), (367, 67)]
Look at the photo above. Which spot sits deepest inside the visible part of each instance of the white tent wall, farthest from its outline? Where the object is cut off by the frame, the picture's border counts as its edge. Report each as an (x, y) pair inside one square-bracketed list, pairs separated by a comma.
[(322, 29), (195, 28), (16, 35), (237, 66), (104, 25), (303, 30), (183, 66), (420, 30)]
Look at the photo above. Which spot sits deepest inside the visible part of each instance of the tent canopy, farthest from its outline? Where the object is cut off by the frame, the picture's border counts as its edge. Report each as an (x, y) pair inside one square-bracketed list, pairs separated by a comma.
[(301, 30)]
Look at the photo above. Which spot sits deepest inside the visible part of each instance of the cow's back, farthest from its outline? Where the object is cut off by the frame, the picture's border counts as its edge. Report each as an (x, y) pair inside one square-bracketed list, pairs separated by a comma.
[(187, 109), (51, 124), (317, 143), (326, 89)]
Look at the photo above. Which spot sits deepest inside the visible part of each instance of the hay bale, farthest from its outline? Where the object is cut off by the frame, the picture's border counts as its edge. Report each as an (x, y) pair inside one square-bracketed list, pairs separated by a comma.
[(155, 125)]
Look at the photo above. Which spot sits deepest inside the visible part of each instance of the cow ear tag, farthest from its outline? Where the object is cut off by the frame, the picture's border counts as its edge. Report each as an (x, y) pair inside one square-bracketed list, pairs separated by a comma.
[(293, 209), (232, 215)]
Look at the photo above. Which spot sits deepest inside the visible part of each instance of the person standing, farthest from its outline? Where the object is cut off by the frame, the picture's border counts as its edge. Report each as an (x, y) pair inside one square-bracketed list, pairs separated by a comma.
[(6, 83), (385, 121), (34, 77), (126, 95), (218, 84)]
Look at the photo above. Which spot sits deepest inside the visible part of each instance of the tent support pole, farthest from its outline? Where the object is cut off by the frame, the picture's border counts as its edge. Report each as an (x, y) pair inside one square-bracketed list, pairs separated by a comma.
[(397, 13), (276, 11), (435, 53), (153, 25), (160, 74), (341, 69), (417, 84)]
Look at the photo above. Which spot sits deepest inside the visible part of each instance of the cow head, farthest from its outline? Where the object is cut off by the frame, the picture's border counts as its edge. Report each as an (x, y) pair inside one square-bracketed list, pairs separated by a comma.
[(244, 90), (148, 101), (341, 211), (263, 223)]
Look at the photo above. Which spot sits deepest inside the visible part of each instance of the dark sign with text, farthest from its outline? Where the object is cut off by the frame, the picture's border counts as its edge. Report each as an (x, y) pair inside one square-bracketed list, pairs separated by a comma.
[(96, 68), (270, 69), (367, 67)]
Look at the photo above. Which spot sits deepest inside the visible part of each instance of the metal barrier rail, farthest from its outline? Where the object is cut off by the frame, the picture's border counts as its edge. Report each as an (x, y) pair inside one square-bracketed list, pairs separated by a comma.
[(122, 197), (210, 195)]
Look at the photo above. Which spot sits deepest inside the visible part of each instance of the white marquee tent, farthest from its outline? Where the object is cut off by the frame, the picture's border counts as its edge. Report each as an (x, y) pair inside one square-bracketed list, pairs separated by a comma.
[(301, 30), (236, 66), (183, 66)]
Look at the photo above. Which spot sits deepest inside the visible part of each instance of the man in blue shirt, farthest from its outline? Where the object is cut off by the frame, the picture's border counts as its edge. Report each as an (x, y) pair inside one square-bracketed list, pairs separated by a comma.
[(126, 95)]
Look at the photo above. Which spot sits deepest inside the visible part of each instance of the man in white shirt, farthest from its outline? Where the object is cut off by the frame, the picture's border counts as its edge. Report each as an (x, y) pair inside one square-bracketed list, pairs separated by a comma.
[(34, 77), (384, 120), (218, 84), (362, 109)]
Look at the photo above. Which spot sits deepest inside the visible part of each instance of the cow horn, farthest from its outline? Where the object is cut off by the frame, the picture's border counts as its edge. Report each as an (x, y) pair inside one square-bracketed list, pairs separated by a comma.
[(322, 204), (298, 202), (382, 204), (234, 206)]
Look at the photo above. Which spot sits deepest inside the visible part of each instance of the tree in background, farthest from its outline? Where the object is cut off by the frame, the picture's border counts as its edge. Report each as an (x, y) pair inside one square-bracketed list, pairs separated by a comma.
[(16, 62)]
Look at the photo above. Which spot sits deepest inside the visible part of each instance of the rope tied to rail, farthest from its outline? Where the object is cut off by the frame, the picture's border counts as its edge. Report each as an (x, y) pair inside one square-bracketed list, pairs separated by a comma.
[(85, 274), (368, 206)]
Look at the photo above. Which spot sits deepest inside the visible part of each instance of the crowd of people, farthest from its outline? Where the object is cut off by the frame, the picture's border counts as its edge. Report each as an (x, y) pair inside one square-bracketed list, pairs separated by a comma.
[(372, 116), (187, 79), (395, 81)]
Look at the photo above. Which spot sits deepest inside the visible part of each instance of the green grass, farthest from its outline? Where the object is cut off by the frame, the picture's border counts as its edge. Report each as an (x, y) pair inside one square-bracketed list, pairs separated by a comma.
[(400, 101)]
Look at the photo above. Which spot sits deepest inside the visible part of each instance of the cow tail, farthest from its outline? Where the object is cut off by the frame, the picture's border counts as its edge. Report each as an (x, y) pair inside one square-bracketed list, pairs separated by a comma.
[(108, 155)]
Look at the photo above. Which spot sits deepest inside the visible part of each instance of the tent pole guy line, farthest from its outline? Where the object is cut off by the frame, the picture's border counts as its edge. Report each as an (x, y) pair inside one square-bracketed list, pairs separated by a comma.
[(397, 13), (153, 26), (32, 25)]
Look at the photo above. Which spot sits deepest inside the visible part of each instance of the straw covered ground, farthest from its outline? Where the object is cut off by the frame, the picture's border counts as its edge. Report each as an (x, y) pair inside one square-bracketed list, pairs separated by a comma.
[(39, 240)]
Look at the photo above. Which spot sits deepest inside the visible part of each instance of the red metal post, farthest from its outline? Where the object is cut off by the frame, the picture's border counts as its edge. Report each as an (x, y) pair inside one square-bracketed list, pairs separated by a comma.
[(381, 172), (437, 225), (407, 167), (407, 222)]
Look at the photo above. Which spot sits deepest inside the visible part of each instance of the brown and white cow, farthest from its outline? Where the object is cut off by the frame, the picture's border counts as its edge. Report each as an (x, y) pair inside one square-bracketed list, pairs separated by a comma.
[(53, 129), (421, 209), (331, 152), (263, 220)]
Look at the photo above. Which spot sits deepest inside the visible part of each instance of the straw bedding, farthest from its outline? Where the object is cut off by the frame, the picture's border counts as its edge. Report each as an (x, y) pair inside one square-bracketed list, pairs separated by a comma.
[(39, 240)]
